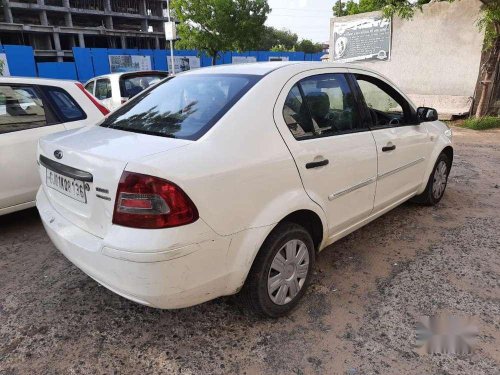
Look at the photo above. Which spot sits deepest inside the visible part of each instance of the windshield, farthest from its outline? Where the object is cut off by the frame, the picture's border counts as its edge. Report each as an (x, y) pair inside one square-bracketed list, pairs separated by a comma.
[(183, 107), (133, 85)]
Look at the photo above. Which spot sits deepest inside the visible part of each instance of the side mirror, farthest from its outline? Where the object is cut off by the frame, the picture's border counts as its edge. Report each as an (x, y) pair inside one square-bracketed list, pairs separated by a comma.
[(425, 114)]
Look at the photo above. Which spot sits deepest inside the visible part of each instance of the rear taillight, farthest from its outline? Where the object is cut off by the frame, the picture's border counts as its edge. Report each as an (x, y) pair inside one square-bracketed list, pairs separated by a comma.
[(93, 99), (150, 202)]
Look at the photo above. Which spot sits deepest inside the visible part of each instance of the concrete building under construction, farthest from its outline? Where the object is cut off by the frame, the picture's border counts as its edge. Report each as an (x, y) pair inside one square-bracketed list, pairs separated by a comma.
[(54, 27)]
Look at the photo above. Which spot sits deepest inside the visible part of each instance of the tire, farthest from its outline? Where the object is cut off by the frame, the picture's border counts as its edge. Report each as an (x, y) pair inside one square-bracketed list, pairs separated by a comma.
[(436, 185), (270, 292)]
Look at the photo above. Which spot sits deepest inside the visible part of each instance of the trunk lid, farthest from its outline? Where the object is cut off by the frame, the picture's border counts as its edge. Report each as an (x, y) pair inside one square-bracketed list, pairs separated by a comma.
[(101, 153)]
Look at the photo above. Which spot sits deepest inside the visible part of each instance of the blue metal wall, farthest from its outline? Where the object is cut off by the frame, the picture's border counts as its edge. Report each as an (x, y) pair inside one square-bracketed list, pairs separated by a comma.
[(91, 62)]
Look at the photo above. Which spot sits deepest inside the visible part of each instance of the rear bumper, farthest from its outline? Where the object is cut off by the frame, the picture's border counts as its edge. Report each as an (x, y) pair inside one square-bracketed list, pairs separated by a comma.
[(180, 276)]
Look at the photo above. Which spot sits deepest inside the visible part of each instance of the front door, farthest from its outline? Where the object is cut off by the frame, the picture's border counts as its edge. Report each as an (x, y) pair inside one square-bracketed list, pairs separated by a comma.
[(318, 117), (402, 145)]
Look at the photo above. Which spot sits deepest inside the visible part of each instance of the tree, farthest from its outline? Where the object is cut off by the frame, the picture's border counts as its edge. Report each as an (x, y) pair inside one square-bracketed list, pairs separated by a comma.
[(220, 25), (272, 37), (307, 46), (489, 23), (349, 7)]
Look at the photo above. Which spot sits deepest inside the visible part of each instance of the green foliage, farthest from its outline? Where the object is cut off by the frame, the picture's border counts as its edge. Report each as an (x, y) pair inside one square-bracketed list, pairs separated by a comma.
[(281, 48), (272, 37), (1, 67), (307, 46), (349, 7), (482, 123), (220, 25), (490, 24)]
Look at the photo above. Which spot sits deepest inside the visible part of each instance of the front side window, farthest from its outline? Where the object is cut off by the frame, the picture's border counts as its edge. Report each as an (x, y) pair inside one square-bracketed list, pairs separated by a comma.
[(65, 106), (103, 89), (183, 107), (321, 105), (386, 106), (21, 108)]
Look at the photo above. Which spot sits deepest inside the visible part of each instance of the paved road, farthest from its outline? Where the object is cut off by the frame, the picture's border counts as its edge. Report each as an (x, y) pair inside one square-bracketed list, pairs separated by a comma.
[(358, 317)]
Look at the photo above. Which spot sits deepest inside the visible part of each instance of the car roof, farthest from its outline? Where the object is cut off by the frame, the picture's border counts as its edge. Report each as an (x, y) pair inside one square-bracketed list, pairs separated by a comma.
[(263, 68), (37, 81)]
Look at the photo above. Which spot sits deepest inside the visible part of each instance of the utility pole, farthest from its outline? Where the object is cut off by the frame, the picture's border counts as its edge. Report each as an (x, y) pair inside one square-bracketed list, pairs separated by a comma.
[(171, 40)]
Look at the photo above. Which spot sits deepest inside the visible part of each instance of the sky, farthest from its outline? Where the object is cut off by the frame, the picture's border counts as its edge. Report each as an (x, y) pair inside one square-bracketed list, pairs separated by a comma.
[(309, 19)]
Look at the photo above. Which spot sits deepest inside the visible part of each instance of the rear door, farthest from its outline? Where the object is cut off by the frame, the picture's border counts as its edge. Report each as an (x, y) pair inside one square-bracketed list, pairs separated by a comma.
[(318, 117), (24, 118), (402, 145)]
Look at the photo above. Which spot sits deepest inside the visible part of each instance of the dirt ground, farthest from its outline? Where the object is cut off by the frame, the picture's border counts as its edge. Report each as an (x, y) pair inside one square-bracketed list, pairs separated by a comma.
[(358, 317)]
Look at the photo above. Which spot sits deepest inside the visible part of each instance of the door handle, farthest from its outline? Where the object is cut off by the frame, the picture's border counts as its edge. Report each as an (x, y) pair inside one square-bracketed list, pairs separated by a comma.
[(388, 148), (316, 164)]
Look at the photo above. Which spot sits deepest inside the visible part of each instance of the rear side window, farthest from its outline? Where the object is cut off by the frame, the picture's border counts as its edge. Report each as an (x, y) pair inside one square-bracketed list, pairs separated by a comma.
[(90, 87), (183, 107), (321, 106), (132, 85), (21, 108), (296, 114), (64, 105), (103, 89)]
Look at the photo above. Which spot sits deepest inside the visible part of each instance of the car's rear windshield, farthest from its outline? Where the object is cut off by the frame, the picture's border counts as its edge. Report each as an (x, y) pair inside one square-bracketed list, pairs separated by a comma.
[(131, 85), (182, 107)]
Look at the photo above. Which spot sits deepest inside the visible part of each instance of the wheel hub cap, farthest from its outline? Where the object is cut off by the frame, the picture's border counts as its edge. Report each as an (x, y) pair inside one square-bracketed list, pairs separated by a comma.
[(288, 272), (440, 179)]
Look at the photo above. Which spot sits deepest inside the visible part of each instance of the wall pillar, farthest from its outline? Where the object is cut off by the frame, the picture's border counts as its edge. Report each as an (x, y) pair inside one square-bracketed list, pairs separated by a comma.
[(57, 42), (143, 11), (123, 41), (67, 16), (43, 14), (107, 11), (81, 40), (7, 12)]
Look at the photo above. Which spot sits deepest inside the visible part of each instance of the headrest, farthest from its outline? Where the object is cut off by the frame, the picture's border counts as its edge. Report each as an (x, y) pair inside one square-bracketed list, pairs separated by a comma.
[(319, 102)]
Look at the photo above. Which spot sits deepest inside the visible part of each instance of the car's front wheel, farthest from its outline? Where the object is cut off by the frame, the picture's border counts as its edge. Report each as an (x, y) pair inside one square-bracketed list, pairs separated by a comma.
[(281, 271), (436, 185)]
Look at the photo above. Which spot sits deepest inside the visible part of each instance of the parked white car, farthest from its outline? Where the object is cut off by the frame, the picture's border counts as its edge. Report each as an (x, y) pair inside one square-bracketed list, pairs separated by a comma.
[(232, 178), (31, 108), (116, 88)]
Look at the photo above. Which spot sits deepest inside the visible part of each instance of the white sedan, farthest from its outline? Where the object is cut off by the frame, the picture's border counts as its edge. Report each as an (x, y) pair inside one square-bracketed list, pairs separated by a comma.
[(29, 109), (232, 178), (116, 88)]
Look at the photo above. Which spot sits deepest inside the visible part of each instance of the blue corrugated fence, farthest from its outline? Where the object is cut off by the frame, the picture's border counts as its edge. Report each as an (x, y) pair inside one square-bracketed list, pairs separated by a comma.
[(91, 62)]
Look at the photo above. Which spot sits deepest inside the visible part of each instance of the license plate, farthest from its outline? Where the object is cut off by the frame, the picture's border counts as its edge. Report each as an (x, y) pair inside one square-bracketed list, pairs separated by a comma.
[(68, 186)]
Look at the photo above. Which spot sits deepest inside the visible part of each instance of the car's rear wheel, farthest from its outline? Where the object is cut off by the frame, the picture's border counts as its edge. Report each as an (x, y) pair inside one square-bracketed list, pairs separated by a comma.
[(436, 185), (281, 271)]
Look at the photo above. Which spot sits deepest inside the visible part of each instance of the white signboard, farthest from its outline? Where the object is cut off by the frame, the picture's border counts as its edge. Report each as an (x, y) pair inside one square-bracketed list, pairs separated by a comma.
[(243, 59), (126, 63), (278, 58), (183, 63), (361, 39), (170, 31), (4, 66)]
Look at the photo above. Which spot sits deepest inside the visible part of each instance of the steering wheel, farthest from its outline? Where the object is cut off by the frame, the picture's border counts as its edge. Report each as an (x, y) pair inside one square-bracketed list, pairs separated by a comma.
[(394, 122)]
